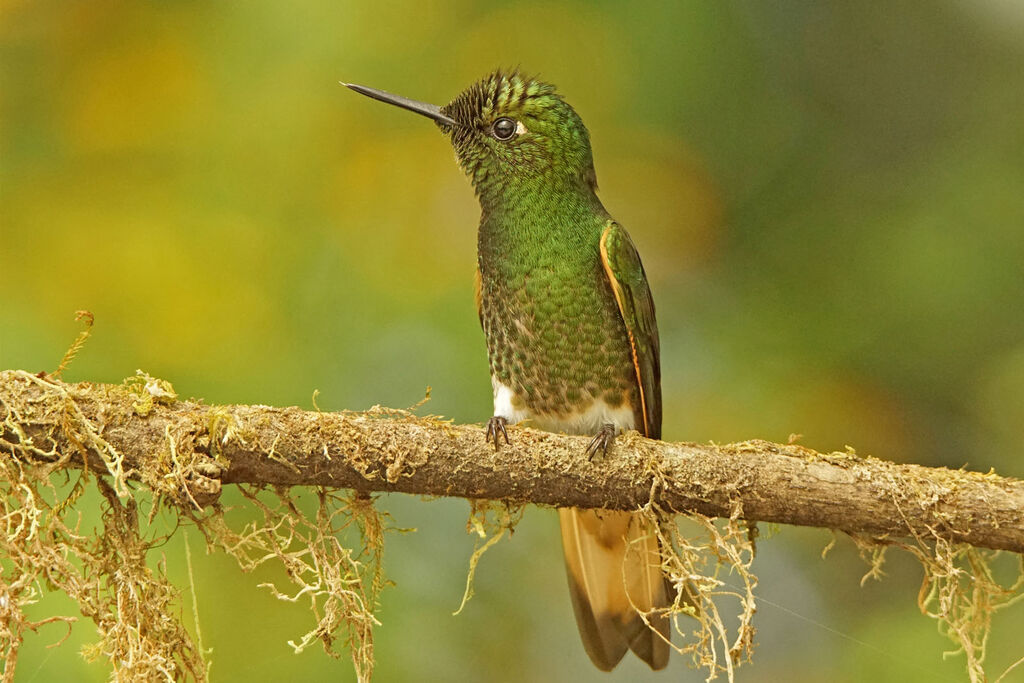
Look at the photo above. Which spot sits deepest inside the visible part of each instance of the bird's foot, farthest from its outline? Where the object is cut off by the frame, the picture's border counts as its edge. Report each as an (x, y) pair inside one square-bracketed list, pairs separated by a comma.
[(495, 427), (602, 441)]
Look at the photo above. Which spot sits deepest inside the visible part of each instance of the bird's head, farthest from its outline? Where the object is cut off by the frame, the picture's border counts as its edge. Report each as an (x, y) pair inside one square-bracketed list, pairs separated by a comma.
[(510, 132)]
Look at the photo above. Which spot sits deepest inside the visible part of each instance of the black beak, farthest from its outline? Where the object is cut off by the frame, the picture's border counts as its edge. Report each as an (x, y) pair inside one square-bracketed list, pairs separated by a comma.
[(431, 111)]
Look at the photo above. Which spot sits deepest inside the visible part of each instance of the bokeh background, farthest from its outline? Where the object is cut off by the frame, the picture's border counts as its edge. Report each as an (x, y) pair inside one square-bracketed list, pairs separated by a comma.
[(828, 197)]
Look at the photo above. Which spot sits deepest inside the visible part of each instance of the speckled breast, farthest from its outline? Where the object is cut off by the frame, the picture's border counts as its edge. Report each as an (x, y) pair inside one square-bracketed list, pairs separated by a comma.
[(556, 338)]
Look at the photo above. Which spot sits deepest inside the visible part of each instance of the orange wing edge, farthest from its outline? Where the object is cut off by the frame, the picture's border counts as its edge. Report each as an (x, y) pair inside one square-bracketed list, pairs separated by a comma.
[(619, 294)]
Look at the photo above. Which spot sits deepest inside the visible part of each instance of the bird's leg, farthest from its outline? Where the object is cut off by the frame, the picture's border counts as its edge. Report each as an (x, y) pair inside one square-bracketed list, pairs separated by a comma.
[(496, 426), (602, 441)]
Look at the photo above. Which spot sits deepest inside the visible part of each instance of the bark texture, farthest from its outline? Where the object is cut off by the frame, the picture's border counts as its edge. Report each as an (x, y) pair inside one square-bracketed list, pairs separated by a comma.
[(139, 430)]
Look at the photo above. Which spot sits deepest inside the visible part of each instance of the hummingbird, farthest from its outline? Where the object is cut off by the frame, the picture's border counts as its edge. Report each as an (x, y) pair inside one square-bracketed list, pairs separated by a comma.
[(572, 340)]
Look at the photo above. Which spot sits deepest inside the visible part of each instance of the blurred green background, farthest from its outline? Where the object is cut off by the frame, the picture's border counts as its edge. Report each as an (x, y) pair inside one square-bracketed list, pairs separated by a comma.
[(827, 197)]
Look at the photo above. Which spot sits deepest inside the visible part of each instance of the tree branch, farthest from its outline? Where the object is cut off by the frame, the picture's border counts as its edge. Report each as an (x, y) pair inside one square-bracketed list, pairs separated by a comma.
[(139, 430)]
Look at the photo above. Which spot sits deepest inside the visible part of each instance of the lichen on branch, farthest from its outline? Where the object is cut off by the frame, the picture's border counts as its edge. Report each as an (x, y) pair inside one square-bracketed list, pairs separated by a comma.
[(187, 450)]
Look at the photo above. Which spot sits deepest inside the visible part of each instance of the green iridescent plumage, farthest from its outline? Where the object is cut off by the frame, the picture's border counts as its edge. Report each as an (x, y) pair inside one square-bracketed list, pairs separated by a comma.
[(554, 155), (555, 332), (571, 335)]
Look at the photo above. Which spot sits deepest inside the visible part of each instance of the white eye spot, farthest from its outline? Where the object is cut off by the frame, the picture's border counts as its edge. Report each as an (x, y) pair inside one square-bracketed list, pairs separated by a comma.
[(520, 128)]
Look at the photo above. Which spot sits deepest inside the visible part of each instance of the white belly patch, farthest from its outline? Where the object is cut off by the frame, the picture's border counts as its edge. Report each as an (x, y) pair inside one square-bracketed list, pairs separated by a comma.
[(586, 421)]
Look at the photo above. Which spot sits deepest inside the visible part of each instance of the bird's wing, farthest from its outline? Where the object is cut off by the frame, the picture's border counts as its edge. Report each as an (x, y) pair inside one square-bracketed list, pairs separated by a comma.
[(629, 284)]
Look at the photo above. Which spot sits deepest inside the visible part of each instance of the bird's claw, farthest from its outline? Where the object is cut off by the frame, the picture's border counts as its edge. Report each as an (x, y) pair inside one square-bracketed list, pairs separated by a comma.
[(602, 441), (496, 426)]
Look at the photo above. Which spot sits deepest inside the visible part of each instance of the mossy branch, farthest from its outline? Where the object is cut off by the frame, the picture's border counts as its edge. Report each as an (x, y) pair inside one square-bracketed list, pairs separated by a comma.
[(140, 430)]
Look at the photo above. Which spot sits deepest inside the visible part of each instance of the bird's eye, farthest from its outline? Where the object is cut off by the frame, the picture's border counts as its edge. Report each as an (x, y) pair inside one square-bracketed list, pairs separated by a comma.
[(504, 128)]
